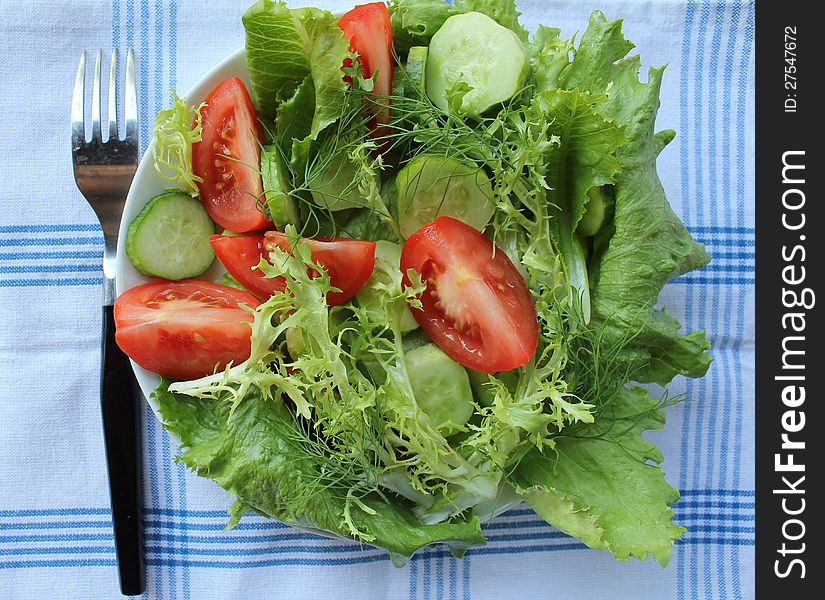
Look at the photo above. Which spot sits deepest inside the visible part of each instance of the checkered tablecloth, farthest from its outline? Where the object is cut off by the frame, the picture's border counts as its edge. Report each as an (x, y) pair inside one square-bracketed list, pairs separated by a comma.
[(55, 527)]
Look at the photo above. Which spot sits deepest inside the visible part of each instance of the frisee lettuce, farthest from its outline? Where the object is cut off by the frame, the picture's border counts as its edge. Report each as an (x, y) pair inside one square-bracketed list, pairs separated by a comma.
[(176, 129)]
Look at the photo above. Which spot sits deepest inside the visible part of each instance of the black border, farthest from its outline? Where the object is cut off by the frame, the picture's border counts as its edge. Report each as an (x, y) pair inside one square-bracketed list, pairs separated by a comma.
[(777, 132)]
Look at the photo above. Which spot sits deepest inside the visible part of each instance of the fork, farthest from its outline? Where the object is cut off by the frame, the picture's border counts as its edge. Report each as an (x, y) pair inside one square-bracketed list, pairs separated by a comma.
[(103, 171)]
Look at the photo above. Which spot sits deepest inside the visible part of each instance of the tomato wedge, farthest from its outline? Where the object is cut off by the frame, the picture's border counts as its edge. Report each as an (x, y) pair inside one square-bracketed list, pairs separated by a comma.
[(476, 307), (184, 329), (229, 143), (348, 262), (369, 32)]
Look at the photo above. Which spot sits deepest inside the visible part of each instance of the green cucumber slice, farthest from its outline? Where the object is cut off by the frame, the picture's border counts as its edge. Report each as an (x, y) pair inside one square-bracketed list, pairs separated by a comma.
[(279, 205), (333, 186), (472, 48), (431, 186), (387, 264), (416, 69), (594, 213), (441, 387), (170, 237)]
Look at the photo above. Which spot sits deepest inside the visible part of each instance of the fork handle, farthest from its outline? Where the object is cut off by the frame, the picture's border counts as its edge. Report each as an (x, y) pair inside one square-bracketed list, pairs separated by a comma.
[(121, 406)]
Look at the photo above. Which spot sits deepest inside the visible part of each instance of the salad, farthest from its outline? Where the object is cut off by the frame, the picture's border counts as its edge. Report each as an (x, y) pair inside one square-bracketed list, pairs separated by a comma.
[(444, 241)]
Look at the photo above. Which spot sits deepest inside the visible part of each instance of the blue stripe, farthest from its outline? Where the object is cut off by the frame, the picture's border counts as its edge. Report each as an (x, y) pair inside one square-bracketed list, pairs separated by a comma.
[(264, 550), (439, 578), (58, 537), (453, 575), (727, 243), (52, 241), (718, 492), (154, 497), (55, 512), (711, 133), (362, 559), (728, 364), (59, 550), (298, 535), (217, 514), (50, 227), (97, 254), (50, 282), (706, 516), (721, 229), (686, 197), (17, 269), (465, 577), (426, 556), (413, 566), (700, 280), (80, 562), (714, 504), (723, 255), (715, 268), (742, 88)]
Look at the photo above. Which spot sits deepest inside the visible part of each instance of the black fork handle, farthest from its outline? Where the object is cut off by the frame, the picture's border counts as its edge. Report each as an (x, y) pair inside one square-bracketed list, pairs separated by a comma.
[(121, 405)]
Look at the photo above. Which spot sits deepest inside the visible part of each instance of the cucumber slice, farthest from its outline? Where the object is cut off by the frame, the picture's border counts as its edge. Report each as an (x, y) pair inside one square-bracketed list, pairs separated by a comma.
[(474, 49), (279, 205), (484, 394), (594, 213), (414, 84), (170, 237), (441, 387), (333, 186), (431, 186), (387, 263)]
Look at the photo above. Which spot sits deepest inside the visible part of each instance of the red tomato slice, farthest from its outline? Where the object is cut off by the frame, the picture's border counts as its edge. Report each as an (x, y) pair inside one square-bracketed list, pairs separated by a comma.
[(184, 329), (230, 189), (476, 307), (369, 32), (349, 263)]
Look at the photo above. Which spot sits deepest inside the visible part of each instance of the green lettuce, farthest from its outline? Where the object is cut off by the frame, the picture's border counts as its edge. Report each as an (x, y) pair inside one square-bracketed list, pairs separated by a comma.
[(648, 244), (285, 45), (261, 455), (414, 22), (174, 134), (602, 483)]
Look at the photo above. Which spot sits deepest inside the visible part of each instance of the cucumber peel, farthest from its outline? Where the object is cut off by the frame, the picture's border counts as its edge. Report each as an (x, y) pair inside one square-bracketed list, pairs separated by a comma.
[(170, 237)]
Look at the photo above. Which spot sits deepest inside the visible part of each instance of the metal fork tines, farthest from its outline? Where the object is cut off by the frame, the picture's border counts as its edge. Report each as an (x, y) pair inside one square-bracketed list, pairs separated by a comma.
[(104, 168)]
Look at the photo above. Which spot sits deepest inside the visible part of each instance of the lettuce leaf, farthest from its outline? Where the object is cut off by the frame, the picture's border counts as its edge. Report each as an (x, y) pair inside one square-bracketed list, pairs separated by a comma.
[(584, 158), (414, 22), (648, 245), (602, 483), (504, 12), (285, 45), (260, 455)]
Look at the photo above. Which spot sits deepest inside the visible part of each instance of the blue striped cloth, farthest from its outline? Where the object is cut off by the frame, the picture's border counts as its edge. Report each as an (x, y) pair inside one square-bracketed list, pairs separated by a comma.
[(55, 528)]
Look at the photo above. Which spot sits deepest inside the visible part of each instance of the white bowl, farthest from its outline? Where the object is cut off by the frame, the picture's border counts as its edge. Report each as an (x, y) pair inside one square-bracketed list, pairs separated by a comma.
[(147, 184)]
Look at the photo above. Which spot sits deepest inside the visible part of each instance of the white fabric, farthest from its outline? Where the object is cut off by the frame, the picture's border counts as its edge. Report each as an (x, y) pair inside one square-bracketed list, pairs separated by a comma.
[(55, 531)]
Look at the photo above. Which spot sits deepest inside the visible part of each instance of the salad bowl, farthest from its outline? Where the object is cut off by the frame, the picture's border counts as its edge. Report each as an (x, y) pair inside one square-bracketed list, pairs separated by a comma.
[(523, 228)]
